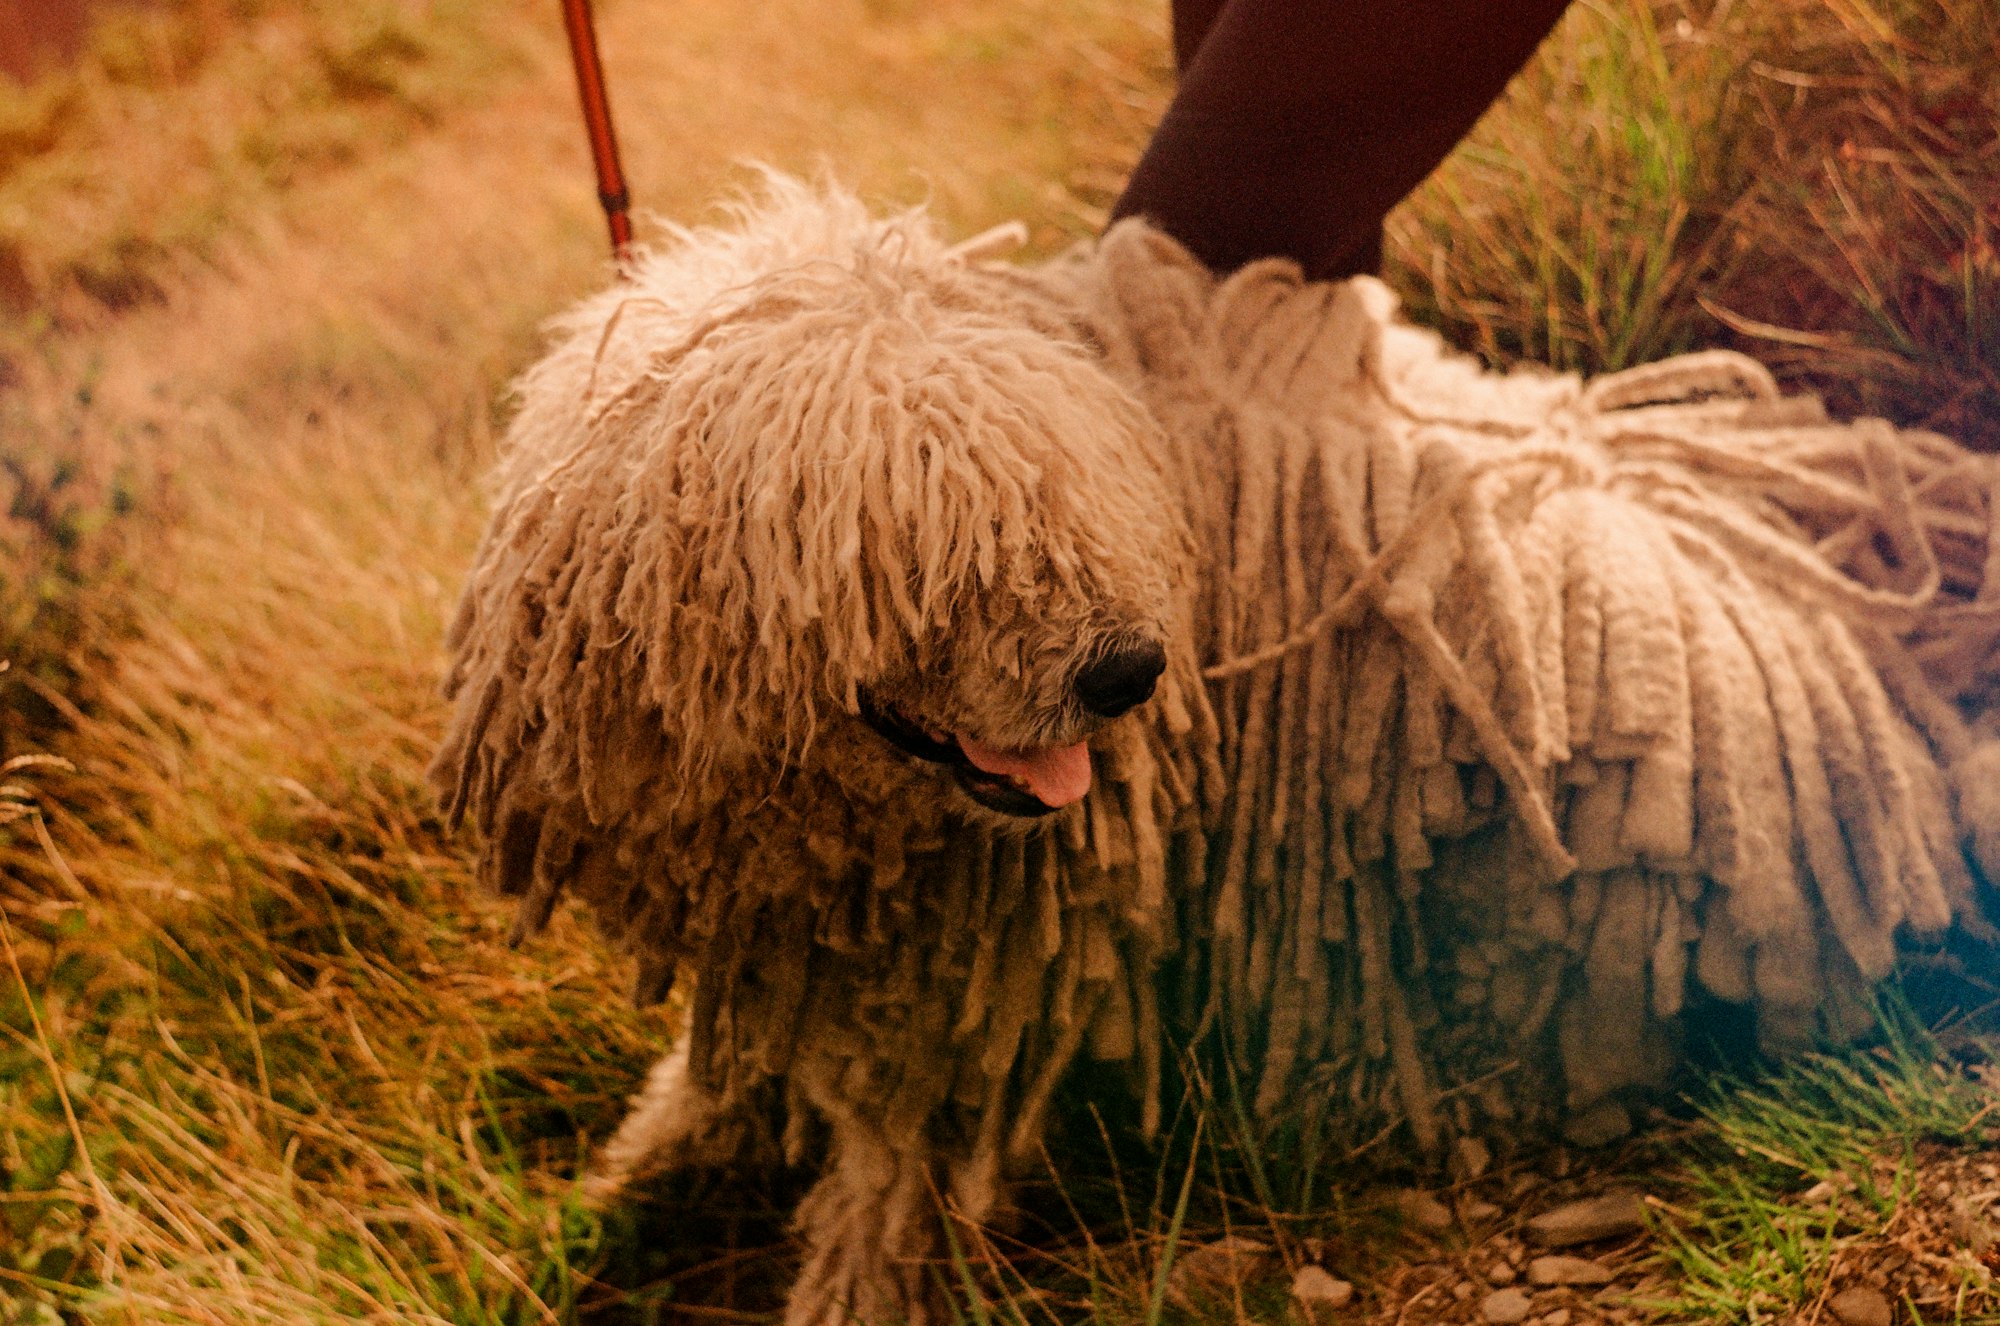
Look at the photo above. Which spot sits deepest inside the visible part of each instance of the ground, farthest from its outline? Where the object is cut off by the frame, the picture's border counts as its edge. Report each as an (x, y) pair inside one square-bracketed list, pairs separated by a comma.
[(264, 271)]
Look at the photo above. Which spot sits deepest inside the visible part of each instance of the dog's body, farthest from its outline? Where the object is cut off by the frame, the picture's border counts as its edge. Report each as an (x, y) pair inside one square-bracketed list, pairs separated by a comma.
[(829, 562)]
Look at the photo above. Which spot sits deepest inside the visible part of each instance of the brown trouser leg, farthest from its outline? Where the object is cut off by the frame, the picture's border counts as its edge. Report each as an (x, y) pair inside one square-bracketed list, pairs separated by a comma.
[(1300, 123)]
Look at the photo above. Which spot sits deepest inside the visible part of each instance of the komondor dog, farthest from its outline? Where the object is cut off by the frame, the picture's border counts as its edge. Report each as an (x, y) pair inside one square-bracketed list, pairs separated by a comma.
[(950, 670)]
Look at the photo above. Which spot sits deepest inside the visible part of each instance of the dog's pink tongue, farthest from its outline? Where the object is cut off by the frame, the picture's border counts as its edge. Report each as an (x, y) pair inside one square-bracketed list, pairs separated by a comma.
[(1057, 775)]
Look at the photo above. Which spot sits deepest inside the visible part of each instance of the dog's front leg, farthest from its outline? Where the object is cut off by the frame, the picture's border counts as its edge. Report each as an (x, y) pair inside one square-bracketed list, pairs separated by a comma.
[(870, 1227), (873, 1225)]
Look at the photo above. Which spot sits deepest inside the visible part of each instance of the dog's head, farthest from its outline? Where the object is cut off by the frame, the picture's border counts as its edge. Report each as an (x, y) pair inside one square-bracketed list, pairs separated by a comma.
[(817, 493)]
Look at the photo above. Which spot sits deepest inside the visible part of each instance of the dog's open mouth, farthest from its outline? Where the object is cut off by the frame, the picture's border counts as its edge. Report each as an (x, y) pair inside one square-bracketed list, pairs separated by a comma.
[(1037, 780)]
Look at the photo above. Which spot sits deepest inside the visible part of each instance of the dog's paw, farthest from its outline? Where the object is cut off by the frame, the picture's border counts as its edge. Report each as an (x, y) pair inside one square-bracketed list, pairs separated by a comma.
[(674, 1124)]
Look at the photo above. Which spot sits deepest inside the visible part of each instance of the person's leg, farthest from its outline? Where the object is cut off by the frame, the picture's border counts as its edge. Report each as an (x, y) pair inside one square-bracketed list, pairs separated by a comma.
[(1192, 20), (1300, 123)]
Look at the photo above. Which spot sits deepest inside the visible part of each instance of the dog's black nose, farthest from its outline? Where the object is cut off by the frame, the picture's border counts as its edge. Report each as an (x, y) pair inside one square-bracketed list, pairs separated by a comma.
[(1122, 678)]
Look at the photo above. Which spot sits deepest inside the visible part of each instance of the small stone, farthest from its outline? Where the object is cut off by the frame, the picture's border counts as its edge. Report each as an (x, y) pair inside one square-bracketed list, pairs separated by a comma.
[(1969, 1225), (1316, 1291), (1819, 1194), (1479, 1212), (1505, 1307), (1560, 1317), (1501, 1274), (1578, 1271), (1218, 1265), (1613, 1215), (1600, 1125), (1423, 1210), (1462, 1290), (1470, 1157), (1860, 1307)]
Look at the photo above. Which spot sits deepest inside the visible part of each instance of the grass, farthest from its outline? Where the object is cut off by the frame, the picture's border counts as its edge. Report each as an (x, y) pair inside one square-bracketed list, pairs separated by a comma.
[(1836, 1169), (1813, 181), (1847, 1168), (1208, 1223), (232, 104), (264, 268)]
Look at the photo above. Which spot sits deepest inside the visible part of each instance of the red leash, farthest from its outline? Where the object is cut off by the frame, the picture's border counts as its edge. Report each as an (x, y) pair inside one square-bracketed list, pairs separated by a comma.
[(611, 189)]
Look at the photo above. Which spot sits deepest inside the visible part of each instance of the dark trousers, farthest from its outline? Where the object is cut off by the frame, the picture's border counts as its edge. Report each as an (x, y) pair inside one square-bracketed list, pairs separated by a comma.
[(1300, 123)]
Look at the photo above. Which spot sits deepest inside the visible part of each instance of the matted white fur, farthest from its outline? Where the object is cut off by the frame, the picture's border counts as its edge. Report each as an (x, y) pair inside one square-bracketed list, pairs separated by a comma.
[(1504, 715)]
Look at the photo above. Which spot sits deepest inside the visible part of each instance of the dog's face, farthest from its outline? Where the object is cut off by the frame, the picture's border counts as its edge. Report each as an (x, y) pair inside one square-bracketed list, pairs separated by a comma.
[(1011, 552), (886, 520)]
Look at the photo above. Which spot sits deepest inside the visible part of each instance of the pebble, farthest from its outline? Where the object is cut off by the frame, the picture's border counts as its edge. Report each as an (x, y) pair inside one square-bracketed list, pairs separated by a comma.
[(1568, 1271), (1501, 1274), (1423, 1210), (1860, 1307), (1969, 1224), (1610, 1216), (1505, 1307), (1470, 1157), (1819, 1194), (1600, 1125), (1479, 1212), (1316, 1290), (1560, 1317), (1225, 1262)]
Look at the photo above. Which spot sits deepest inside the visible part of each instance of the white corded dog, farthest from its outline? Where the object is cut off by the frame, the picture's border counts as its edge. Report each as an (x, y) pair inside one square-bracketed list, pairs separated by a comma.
[(912, 652)]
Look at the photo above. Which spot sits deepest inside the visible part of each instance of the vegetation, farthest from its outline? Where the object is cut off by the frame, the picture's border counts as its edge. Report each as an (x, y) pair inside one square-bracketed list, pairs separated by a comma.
[(1814, 180), (1838, 1165), (265, 267)]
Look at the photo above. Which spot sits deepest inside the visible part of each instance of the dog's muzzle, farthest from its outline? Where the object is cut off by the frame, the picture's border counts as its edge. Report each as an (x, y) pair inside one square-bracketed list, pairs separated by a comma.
[(1032, 780), (989, 790)]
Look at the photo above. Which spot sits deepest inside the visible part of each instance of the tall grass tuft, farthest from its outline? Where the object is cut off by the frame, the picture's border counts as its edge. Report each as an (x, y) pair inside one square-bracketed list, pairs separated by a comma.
[(1828, 1160), (80, 506), (1816, 181)]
